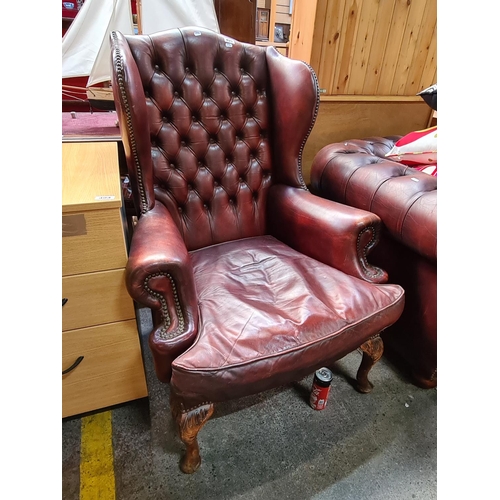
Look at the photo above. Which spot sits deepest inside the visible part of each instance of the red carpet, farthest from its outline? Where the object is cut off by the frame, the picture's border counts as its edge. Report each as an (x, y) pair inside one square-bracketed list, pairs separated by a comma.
[(85, 125)]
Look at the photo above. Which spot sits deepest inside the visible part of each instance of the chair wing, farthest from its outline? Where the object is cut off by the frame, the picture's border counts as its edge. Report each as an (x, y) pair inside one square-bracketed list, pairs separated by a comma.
[(211, 123)]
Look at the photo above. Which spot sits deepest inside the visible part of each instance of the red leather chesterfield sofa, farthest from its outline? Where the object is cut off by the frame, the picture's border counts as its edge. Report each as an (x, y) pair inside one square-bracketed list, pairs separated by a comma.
[(356, 172)]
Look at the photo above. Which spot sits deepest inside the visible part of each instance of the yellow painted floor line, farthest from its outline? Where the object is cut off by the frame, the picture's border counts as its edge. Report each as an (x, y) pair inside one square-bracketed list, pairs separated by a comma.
[(97, 475)]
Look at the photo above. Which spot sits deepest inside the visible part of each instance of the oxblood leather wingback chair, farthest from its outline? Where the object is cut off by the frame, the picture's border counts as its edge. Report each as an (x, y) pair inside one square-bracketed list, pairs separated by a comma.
[(253, 281)]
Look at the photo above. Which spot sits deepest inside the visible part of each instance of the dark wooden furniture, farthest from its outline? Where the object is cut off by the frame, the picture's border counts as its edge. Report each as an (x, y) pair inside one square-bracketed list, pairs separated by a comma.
[(237, 18)]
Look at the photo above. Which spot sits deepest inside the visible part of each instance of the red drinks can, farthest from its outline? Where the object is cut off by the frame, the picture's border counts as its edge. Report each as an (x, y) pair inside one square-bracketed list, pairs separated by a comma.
[(320, 388)]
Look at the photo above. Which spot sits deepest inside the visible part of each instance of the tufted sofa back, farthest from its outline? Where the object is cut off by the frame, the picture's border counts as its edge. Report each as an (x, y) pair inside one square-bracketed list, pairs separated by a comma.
[(197, 124)]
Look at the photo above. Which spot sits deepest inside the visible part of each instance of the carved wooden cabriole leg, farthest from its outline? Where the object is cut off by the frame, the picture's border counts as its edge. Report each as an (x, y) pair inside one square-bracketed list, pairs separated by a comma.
[(189, 424), (372, 352)]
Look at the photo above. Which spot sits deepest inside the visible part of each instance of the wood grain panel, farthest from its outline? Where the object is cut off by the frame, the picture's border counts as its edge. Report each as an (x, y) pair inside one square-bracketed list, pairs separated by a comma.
[(393, 46), (317, 35), (111, 371), (101, 248), (332, 39), (408, 46), (282, 12), (363, 42), (301, 38), (282, 6), (90, 179), (95, 298), (367, 47), (346, 48), (237, 19), (283, 18), (429, 73), (378, 46), (343, 120), (423, 46)]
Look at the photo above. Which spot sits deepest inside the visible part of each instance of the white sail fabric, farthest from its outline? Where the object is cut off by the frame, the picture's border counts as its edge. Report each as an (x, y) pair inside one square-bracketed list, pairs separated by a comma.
[(86, 47), (159, 15)]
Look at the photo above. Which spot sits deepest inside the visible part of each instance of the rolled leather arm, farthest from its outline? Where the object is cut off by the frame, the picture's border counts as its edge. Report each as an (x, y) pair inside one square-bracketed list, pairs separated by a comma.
[(357, 173), (159, 275), (335, 234)]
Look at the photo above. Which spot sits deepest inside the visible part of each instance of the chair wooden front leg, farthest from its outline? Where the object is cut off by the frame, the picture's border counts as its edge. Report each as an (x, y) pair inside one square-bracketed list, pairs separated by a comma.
[(372, 352), (189, 424)]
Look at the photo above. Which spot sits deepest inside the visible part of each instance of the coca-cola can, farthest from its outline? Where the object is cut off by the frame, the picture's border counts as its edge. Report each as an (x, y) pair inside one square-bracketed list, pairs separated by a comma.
[(320, 388)]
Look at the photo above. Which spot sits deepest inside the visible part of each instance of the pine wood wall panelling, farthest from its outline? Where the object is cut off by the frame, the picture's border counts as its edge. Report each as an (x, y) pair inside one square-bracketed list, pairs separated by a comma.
[(377, 49), (301, 39), (423, 43), (282, 18), (408, 46), (282, 11), (318, 34), (367, 47), (282, 6), (429, 73), (350, 28), (362, 48), (332, 43), (393, 46), (272, 20)]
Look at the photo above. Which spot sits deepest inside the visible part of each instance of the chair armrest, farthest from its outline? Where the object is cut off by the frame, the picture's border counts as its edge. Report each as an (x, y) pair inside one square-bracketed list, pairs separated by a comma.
[(335, 234), (159, 275)]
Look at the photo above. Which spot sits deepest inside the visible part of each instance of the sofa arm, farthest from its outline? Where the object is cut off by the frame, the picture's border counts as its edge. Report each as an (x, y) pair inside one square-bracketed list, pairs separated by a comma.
[(159, 275), (335, 234), (357, 173)]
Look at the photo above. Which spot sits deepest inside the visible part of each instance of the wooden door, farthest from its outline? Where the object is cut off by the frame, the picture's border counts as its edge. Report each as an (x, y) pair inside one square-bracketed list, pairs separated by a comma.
[(262, 24)]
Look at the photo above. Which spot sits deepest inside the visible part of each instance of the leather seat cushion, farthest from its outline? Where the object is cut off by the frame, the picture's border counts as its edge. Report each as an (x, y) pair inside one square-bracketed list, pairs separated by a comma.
[(268, 309)]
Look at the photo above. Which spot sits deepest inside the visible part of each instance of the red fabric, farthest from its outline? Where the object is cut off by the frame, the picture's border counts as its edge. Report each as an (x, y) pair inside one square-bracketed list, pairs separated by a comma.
[(416, 148), (70, 9), (412, 137), (427, 169)]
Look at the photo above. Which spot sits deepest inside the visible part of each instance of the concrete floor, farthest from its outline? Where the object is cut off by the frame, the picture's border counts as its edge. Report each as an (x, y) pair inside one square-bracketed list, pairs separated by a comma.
[(376, 446)]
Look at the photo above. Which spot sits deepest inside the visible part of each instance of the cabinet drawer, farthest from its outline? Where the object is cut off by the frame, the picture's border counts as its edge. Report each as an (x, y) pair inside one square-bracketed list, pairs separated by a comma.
[(95, 298), (93, 241), (111, 371)]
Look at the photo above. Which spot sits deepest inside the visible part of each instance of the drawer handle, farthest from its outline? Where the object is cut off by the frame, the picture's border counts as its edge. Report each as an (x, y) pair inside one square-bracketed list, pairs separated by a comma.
[(74, 365), (64, 301)]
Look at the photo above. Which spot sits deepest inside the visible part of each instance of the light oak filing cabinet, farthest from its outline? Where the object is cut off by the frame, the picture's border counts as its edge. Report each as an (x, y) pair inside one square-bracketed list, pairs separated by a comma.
[(98, 318)]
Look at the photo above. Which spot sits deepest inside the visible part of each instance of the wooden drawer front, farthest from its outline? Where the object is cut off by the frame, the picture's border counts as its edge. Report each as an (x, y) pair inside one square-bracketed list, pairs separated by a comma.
[(95, 298), (111, 371), (94, 243)]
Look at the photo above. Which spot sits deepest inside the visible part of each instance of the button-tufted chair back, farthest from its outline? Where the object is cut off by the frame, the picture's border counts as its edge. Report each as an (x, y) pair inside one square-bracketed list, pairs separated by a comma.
[(253, 282), (208, 125)]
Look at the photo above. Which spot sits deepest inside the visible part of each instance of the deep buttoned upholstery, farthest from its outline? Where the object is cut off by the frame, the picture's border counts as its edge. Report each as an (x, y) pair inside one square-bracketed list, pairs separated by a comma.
[(253, 281), (357, 173)]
